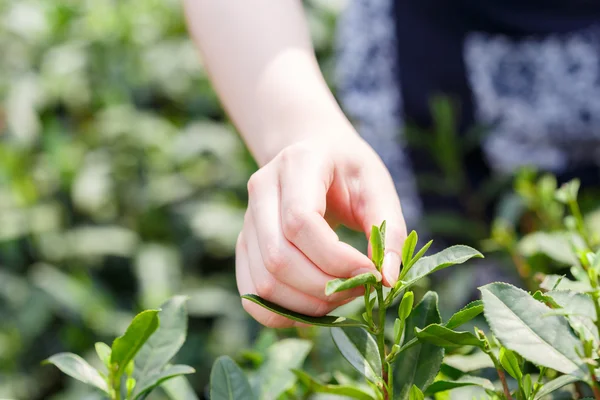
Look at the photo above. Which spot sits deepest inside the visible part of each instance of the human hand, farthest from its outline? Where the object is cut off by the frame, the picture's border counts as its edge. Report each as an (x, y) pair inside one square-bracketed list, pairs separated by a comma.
[(287, 251)]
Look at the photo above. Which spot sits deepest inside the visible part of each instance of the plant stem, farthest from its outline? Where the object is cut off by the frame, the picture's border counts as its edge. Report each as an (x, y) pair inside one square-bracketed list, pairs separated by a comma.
[(381, 332), (596, 391), (501, 374), (390, 380), (576, 211)]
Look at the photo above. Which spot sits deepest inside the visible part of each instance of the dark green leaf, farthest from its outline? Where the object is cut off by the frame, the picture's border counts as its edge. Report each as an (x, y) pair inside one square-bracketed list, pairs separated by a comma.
[(444, 385), (419, 364), (360, 349), (408, 248), (228, 382), (162, 346), (148, 383), (76, 367), (523, 324), (555, 384), (342, 390), (377, 249), (328, 320), (340, 284), (466, 314), (125, 347), (510, 363), (445, 258), (444, 337)]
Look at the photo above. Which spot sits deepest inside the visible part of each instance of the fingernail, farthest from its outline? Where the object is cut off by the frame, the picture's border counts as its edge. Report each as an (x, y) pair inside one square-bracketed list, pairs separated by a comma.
[(391, 267), (365, 270)]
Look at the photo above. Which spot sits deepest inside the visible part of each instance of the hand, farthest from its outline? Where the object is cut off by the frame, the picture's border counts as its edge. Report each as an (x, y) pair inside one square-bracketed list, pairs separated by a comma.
[(287, 252)]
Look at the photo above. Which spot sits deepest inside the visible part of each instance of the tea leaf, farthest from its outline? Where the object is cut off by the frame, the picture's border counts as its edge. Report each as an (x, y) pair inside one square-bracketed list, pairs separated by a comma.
[(522, 324), (527, 385), (510, 363), (342, 390), (228, 382), (444, 337), (580, 310), (559, 282), (340, 284), (408, 248), (554, 385), (103, 352), (377, 249), (568, 191), (445, 258), (275, 374), (328, 320), (419, 364), (125, 347), (360, 349), (76, 367), (162, 346), (406, 305), (148, 383), (556, 245), (415, 394), (179, 388), (467, 313), (443, 385)]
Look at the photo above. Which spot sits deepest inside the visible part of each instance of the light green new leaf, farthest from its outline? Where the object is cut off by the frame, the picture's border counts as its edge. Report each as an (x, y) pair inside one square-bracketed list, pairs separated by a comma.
[(523, 324), (377, 247), (419, 364), (150, 382), (340, 284), (125, 347), (444, 337), (444, 385), (274, 376), (228, 382), (408, 248), (341, 390), (554, 385), (416, 394), (580, 309), (76, 367), (328, 320), (510, 363), (445, 258), (162, 346), (103, 352), (360, 349), (465, 314)]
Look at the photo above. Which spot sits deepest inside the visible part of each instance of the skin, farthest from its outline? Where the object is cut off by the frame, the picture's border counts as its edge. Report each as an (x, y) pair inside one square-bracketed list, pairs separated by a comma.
[(315, 171)]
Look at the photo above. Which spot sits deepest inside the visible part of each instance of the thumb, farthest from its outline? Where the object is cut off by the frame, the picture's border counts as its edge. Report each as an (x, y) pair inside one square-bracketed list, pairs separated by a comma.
[(381, 203)]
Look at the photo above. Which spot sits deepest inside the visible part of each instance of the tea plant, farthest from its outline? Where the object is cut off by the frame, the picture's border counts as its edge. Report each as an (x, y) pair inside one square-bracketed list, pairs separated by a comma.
[(138, 361), (538, 344)]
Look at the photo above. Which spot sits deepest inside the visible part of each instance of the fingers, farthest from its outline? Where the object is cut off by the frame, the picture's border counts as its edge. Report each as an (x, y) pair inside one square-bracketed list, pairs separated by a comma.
[(281, 259), (380, 202), (305, 178)]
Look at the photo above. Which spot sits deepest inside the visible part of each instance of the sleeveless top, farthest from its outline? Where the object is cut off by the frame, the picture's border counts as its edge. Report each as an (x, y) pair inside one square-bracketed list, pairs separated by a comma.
[(528, 70)]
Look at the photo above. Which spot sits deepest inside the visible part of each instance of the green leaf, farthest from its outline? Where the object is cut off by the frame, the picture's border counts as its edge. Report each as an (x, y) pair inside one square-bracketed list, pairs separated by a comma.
[(523, 324), (342, 390), (275, 374), (419, 364), (580, 310), (377, 249), (444, 385), (467, 313), (148, 383), (406, 305), (556, 245), (162, 346), (179, 388), (328, 320), (383, 229), (76, 367), (444, 259), (103, 352), (558, 282), (360, 349), (408, 248), (444, 337), (510, 363), (555, 384), (568, 191), (228, 382), (340, 284), (416, 394), (125, 347), (527, 385)]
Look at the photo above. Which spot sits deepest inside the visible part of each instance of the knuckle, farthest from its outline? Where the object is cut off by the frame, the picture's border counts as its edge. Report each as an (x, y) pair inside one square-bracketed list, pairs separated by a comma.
[(294, 221), (266, 288), (274, 260), (255, 182)]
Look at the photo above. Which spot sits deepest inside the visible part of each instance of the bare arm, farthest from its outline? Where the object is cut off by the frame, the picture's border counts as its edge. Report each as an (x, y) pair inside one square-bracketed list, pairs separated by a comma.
[(261, 61)]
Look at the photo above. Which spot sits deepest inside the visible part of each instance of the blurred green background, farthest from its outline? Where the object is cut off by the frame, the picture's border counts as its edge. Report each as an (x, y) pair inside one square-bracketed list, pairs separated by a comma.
[(121, 184)]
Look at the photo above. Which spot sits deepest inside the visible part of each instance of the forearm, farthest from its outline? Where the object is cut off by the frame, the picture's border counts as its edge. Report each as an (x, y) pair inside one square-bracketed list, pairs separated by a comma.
[(260, 59)]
